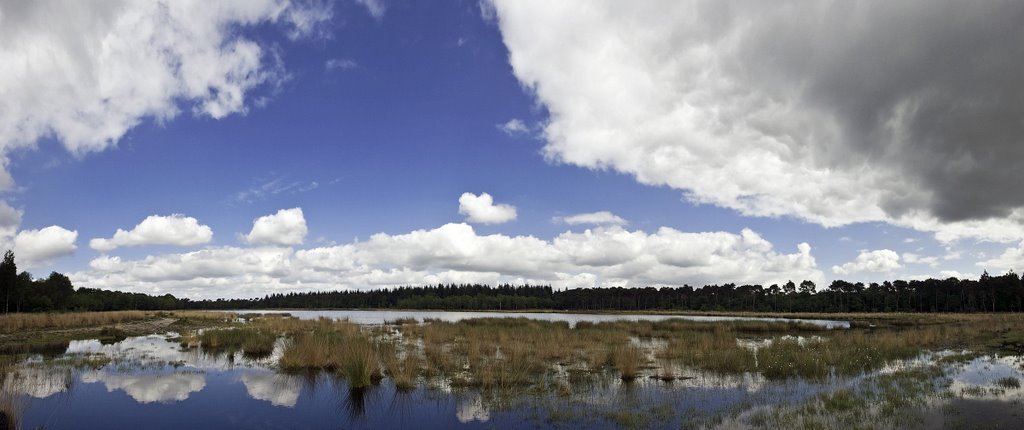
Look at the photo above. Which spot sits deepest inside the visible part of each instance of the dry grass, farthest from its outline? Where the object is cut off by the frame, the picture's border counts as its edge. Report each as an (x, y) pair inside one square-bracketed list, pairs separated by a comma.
[(401, 364), (13, 323), (325, 344), (628, 360), (20, 322), (251, 341)]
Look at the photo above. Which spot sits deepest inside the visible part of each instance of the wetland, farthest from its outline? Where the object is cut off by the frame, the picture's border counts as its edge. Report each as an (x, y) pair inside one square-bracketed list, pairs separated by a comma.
[(276, 370)]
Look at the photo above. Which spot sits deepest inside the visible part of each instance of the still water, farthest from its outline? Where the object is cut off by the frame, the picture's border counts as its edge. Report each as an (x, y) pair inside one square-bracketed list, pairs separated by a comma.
[(152, 382), (382, 316)]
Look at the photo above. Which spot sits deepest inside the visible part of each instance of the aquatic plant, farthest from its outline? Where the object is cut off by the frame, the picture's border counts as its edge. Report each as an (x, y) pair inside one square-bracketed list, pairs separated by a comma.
[(251, 341), (628, 359)]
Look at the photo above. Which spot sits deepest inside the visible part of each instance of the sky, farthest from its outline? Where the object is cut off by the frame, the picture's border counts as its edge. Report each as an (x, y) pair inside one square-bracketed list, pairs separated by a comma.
[(270, 146)]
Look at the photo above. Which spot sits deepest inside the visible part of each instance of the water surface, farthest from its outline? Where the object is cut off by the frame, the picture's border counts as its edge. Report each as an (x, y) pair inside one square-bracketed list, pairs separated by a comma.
[(383, 316)]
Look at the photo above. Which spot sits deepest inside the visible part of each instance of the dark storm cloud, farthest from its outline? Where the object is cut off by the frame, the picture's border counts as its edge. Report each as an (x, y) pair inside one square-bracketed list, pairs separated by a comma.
[(929, 89)]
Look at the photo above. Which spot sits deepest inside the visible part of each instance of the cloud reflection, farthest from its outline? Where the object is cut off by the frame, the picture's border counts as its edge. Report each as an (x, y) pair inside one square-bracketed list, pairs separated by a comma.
[(279, 390), (150, 388)]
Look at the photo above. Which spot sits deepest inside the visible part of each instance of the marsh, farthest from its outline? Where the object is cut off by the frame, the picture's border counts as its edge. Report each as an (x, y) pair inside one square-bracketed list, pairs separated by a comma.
[(274, 370)]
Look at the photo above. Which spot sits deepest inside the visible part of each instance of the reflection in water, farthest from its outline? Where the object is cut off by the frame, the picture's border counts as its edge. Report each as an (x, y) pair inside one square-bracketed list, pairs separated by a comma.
[(38, 381), (150, 388), (240, 392), (278, 389), (354, 402), (472, 409), (377, 317), (983, 376), (157, 350)]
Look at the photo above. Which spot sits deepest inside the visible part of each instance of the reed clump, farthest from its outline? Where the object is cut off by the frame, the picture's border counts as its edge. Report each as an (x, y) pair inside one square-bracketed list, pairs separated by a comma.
[(359, 363), (628, 360), (400, 365), (312, 351), (251, 341), (331, 345)]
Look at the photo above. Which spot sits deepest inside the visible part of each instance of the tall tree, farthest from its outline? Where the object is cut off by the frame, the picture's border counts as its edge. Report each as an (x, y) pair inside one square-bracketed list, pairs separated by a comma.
[(8, 278)]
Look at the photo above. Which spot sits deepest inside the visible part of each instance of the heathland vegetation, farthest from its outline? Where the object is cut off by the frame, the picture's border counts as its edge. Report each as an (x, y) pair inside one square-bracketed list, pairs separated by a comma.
[(1004, 293)]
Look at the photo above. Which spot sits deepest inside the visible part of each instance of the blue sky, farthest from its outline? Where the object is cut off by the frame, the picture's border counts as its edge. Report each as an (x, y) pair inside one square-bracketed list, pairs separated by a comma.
[(356, 119)]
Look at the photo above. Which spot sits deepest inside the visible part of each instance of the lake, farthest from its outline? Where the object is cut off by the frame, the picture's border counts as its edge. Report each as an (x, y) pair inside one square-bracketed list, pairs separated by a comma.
[(384, 316)]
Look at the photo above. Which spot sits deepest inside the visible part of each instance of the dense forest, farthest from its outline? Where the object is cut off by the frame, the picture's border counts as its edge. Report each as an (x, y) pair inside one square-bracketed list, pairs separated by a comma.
[(1005, 293)]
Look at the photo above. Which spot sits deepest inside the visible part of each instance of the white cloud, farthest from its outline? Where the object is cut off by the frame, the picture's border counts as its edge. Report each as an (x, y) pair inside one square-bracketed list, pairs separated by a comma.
[(10, 220), (86, 73), (946, 274), (783, 110), (482, 210), (38, 246), (176, 229), (911, 258), (340, 64), (286, 227), (376, 8), (1012, 258), (514, 127), (879, 261), (603, 256), (593, 218)]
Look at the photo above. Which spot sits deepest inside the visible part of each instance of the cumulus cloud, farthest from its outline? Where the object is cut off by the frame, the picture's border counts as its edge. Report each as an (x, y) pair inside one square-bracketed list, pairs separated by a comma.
[(85, 74), (286, 227), (1012, 258), (946, 274), (878, 261), (911, 258), (482, 210), (10, 220), (593, 218), (605, 256), (514, 127), (176, 229), (38, 246), (833, 112)]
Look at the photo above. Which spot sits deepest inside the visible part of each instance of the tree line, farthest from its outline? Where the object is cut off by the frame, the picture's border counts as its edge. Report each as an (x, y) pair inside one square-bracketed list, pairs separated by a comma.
[(20, 292)]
